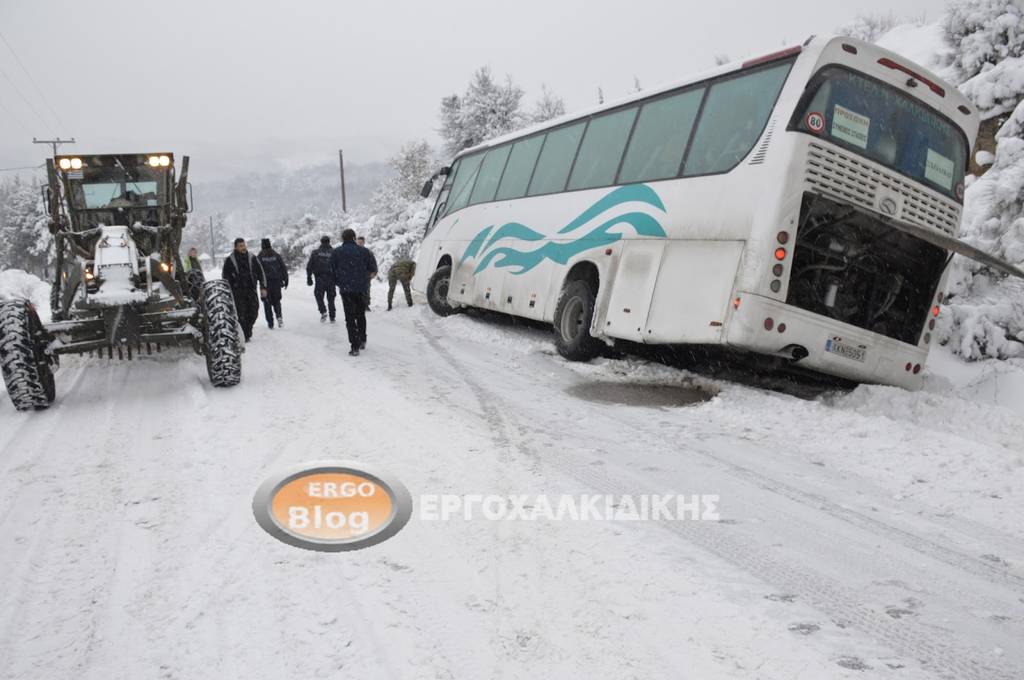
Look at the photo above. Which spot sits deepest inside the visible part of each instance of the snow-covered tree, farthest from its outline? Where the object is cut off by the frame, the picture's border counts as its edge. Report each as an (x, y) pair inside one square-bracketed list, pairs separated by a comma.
[(986, 316), (869, 27), (547, 107), (487, 109), (25, 240)]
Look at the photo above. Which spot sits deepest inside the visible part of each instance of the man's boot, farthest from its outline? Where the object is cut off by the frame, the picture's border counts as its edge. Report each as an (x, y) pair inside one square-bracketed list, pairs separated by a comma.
[(323, 318), (280, 322)]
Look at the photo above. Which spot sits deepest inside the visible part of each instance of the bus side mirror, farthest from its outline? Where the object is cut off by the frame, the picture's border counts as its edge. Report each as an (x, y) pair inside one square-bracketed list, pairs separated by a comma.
[(191, 202), (428, 186)]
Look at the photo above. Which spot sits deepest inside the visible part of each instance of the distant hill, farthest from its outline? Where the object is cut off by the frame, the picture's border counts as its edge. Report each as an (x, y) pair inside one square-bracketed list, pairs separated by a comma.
[(264, 199)]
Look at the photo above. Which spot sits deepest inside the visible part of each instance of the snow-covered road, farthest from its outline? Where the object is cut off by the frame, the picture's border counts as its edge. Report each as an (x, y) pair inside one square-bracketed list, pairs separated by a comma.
[(874, 534)]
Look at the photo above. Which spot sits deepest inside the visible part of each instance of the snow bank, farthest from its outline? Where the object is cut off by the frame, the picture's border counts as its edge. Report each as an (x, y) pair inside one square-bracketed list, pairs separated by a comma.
[(925, 45), (15, 283)]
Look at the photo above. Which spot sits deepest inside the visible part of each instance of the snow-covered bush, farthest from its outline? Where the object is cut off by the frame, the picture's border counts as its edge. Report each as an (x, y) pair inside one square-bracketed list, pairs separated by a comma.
[(983, 33), (987, 309)]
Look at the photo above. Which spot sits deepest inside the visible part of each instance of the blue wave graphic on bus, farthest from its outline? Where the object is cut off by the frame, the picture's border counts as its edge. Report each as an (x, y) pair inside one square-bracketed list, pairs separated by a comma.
[(507, 256)]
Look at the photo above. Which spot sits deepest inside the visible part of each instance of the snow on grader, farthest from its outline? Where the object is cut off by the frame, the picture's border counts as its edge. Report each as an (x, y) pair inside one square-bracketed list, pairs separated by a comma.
[(119, 287)]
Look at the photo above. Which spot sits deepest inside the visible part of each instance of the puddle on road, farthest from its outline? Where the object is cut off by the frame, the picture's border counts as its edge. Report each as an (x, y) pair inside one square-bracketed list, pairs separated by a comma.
[(652, 395)]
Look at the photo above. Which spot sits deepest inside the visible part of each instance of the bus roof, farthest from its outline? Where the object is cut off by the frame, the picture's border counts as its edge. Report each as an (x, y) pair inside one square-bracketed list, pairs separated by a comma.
[(815, 47)]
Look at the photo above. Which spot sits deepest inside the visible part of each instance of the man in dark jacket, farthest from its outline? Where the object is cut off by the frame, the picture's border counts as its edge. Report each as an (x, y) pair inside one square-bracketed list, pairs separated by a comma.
[(401, 271), (276, 274), (243, 273), (361, 241), (353, 267), (319, 267)]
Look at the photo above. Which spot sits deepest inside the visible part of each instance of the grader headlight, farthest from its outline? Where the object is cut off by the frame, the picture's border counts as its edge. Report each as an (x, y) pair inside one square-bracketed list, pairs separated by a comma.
[(65, 163), (76, 163)]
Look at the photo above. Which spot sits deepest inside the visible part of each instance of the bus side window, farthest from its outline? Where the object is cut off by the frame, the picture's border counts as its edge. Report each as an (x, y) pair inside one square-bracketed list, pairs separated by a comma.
[(519, 168), (489, 175), (556, 160), (659, 138), (462, 186), (734, 115), (601, 150), (442, 198)]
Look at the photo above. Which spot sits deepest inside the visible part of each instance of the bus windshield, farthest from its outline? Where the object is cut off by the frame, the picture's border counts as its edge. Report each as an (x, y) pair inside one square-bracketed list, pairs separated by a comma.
[(887, 126)]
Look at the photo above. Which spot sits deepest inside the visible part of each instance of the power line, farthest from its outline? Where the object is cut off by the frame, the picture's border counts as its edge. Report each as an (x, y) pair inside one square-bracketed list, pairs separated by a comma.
[(25, 99), (33, 81), (17, 120), (24, 167)]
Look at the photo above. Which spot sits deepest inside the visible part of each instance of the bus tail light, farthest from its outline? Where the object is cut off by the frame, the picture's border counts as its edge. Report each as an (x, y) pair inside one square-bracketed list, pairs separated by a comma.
[(783, 237), (736, 303), (780, 253), (769, 324), (935, 310), (889, 63)]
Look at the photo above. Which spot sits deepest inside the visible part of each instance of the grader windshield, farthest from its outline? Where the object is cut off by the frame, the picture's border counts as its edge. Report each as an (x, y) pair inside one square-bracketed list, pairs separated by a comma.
[(118, 189)]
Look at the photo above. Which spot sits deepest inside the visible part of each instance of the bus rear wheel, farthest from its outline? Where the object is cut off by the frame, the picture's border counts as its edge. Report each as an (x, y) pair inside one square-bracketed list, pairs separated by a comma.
[(573, 316), (437, 291)]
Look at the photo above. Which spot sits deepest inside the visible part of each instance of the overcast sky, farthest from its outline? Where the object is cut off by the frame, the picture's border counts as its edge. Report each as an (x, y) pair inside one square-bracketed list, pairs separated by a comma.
[(243, 85)]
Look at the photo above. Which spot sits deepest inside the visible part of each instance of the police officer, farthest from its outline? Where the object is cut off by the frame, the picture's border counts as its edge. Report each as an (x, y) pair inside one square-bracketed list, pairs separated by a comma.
[(243, 273), (276, 274), (403, 271), (319, 267), (353, 267)]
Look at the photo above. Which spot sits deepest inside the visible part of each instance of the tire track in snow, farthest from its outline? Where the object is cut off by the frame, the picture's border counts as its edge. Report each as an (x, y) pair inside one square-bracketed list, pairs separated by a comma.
[(839, 602)]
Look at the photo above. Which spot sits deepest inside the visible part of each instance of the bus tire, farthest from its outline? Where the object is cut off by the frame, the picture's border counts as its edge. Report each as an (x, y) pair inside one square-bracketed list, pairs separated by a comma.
[(437, 291), (573, 316), (26, 369), (222, 344)]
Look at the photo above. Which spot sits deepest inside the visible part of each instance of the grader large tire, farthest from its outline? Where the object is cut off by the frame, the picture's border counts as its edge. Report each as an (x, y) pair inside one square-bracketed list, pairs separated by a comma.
[(221, 339), (437, 291), (23, 360), (573, 316)]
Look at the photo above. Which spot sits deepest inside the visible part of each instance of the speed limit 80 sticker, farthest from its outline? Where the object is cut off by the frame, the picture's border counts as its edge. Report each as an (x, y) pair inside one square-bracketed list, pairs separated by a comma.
[(815, 122), (332, 506)]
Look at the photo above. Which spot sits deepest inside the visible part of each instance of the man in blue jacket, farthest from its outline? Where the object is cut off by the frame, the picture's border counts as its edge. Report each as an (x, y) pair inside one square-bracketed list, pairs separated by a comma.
[(353, 267)]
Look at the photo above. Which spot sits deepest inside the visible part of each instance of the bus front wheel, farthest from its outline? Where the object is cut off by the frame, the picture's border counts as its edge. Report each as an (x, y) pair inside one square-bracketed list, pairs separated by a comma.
[(437, 291), (573, 316)]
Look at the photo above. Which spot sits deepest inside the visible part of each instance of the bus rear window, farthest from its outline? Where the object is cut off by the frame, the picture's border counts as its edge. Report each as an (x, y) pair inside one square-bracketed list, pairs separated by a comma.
[(887, 126)]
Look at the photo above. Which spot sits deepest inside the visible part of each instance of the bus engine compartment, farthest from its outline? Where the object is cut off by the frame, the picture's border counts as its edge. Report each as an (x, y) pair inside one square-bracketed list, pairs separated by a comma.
[(855, 268)]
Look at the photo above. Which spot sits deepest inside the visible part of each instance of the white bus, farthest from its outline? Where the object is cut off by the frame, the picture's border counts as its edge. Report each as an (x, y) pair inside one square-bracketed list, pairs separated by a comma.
[(803, 205)]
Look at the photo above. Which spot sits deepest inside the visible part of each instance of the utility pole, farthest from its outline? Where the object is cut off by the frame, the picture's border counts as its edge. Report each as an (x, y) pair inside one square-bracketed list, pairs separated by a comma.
[(341, 164), (213, 244), (53, 142)]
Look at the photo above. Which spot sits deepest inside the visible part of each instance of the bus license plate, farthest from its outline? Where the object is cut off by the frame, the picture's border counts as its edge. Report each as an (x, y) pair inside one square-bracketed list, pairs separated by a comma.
[(846, 351)]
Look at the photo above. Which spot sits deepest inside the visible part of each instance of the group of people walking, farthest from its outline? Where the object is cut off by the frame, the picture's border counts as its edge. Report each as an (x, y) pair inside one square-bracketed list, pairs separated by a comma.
[(346, 270)]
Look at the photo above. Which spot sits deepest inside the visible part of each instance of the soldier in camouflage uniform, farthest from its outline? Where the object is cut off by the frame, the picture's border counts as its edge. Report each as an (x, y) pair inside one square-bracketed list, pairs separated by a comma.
[(403, 271)]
